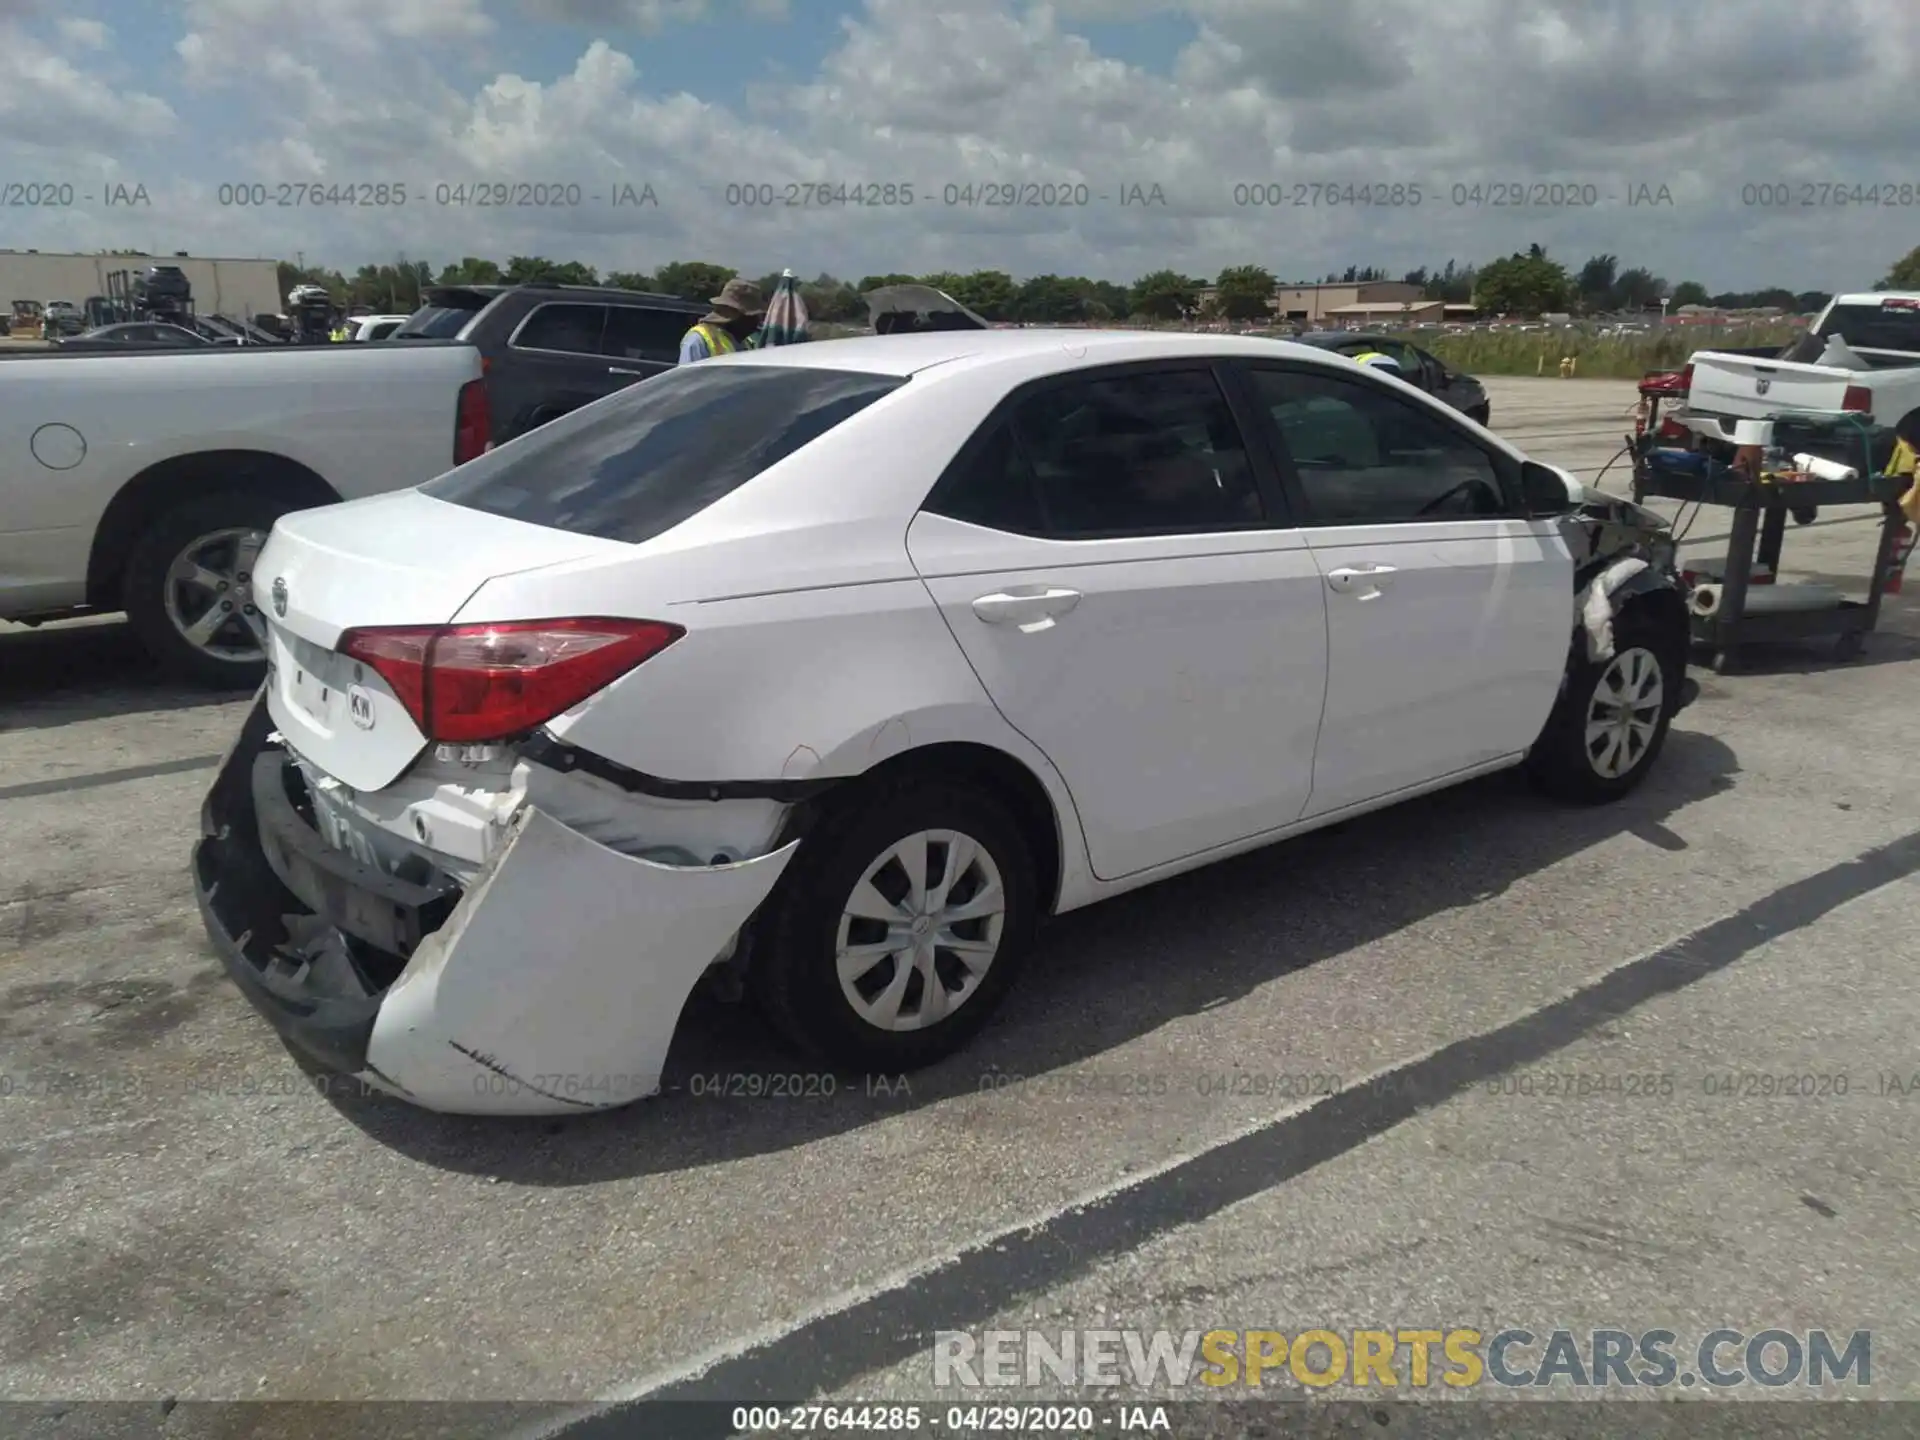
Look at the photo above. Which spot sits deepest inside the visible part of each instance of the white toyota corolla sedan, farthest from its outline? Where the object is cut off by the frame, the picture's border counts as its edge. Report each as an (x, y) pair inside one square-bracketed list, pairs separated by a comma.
[(830, 671)]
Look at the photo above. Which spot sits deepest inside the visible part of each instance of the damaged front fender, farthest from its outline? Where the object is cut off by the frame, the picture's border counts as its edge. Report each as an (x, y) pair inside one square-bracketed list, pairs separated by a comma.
[(556, 985), (1620, 550)]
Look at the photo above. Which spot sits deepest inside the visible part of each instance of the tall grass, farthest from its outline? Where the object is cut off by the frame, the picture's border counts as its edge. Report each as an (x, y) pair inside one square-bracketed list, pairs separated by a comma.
[(1617, 357)]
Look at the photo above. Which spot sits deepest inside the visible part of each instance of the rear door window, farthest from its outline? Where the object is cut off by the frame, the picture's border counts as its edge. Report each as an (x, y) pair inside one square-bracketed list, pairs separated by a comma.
[(1139, 453), (634, 332), (437, 322), (571, 329), (1893, 324), (635, 465)]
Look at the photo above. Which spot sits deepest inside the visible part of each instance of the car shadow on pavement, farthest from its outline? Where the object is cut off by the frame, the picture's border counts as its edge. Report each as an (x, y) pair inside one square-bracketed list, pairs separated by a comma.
[(91, 671), (1100, 977)]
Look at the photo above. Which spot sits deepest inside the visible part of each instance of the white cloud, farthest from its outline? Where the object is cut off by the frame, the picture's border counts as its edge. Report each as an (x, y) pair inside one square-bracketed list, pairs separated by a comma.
[(649, 17), (86, 34), (1559, 93), (67, 121)]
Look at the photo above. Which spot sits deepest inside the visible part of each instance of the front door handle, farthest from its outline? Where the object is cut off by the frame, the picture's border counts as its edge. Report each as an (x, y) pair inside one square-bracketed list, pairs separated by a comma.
[(617, 370), (1362, 581), (1033, 609)]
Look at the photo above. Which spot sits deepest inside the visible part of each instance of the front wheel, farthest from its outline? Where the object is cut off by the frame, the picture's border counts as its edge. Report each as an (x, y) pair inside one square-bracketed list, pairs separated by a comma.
[(1612, 718), (900, 926)]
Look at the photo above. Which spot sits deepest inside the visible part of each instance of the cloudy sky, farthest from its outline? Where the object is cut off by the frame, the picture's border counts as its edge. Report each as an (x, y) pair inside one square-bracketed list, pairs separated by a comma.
[(1767, 123)]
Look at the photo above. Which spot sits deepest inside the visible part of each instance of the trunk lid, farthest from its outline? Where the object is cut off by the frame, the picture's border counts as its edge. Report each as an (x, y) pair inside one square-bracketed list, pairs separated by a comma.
[(398, 559)]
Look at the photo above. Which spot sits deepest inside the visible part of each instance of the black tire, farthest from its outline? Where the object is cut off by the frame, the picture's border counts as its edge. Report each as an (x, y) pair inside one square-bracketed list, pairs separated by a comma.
[(1481, 414), (146, 581), (794, 976), (1805, 514), (1560, 761)]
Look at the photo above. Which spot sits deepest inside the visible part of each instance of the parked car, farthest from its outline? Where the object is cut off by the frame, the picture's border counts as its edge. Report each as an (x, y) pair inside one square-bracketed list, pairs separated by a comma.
[(1861, 356), (908, 309), (1417, 367), (840, 666), (147, 482), (61, 318), (136, 335), (376, 327), (549, 349)]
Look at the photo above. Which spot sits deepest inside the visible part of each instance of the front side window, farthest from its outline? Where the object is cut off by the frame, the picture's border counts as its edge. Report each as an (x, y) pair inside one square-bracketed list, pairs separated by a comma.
[(1367, 457)]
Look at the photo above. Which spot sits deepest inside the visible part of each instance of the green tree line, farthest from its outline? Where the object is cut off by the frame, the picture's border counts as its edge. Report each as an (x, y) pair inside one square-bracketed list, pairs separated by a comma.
[(1527, 283)]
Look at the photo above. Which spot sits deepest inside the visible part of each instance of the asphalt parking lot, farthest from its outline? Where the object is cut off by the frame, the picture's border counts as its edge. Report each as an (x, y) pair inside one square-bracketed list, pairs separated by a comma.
[(189, 1218)]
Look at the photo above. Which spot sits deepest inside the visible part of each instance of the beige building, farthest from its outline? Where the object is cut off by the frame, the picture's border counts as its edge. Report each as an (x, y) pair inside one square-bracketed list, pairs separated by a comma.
[(1364, 302), (241, 288), (1403, 313)]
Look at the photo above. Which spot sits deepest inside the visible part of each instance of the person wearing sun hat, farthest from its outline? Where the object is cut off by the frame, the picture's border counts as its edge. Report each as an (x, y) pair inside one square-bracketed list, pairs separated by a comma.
[(728, 326)]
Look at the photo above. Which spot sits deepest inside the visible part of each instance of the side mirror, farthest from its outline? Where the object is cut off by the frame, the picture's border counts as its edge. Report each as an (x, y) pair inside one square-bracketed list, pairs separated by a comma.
[(1546, 491)]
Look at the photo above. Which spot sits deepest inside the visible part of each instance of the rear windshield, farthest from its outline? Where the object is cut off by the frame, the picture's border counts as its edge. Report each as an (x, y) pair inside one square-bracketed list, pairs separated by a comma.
[(1893, 325), (637, 464), (437, 322)]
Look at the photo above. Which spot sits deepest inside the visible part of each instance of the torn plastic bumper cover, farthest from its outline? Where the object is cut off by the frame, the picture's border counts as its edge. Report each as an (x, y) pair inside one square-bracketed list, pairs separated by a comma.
[(551, 984)]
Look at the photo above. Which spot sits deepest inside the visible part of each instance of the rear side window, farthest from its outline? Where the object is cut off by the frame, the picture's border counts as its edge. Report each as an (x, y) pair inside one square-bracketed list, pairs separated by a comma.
[(993, 487), (635, 465), (571, 329), (636, 333), (436, 322), (1890, 325)]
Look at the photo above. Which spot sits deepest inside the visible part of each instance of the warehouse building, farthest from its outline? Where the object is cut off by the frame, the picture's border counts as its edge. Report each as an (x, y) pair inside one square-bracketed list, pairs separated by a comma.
[(1335, 304), (222, 286)]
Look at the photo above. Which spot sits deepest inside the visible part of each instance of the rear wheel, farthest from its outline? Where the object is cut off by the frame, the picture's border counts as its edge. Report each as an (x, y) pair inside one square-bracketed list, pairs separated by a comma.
[(190, 593), (1612, 718), (900, 926)]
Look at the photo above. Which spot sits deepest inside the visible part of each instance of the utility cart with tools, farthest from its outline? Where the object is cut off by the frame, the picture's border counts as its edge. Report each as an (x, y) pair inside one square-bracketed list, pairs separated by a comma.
[(1781, 463)]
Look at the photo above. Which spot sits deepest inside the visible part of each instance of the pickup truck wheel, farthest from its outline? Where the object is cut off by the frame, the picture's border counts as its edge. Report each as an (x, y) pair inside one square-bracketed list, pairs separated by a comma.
[(899, 926), (190, 588), (1611, 720)]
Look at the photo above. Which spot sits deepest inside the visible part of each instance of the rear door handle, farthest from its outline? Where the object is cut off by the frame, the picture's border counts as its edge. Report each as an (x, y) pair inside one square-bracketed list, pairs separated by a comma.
[(1033, 609), (1362, 581), (617, 370)]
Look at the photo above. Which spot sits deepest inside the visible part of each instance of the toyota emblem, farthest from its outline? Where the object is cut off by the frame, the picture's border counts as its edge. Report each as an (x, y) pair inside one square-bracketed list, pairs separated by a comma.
[(280, 596), (1760, 387)]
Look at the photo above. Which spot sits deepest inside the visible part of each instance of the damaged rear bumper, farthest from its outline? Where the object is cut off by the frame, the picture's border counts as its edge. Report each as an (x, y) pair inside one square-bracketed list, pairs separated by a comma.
[(550, 984)]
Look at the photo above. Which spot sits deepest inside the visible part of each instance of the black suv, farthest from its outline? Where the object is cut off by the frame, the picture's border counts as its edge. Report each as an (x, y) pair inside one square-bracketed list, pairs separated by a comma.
[(549, 349)]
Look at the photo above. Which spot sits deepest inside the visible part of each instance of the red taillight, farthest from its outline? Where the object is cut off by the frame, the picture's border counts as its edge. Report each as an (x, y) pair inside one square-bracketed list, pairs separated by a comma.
[(1686, 378), (1858, 398), (472, 422), (474, 683)]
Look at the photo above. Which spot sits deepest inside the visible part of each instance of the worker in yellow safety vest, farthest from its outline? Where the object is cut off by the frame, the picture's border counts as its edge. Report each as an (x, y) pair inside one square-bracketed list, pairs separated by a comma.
[(728, 326), (339, 332)]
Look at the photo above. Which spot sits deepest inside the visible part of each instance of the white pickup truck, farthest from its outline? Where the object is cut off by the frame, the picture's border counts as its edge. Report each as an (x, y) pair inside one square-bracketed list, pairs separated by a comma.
[(1862, 354), (148, 482)]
